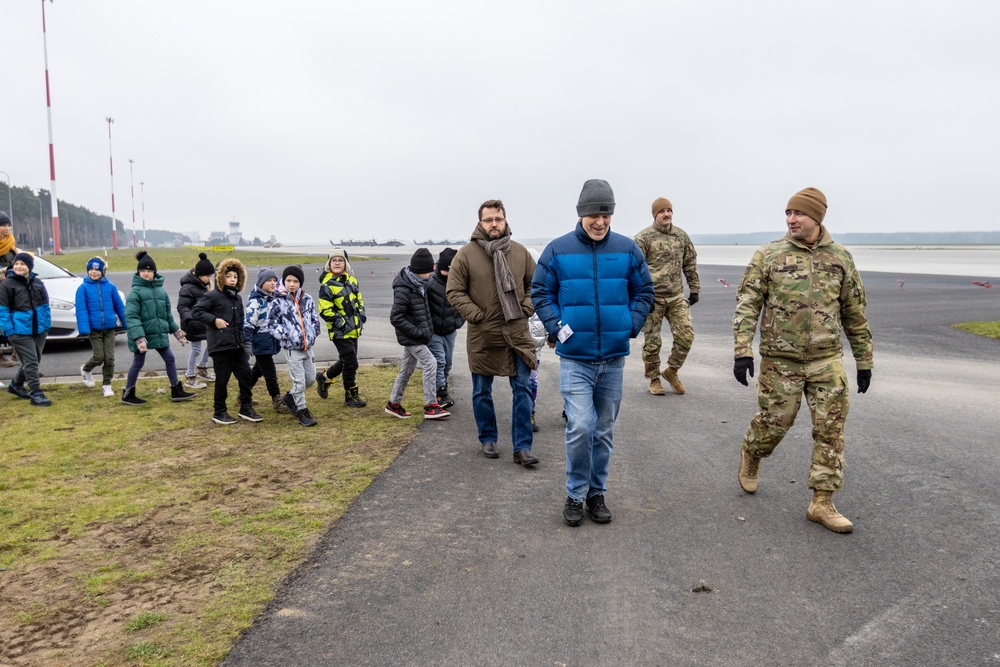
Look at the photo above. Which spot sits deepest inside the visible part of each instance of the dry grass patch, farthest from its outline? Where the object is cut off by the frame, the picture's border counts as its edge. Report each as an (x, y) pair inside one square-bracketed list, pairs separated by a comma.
[(151, 535)]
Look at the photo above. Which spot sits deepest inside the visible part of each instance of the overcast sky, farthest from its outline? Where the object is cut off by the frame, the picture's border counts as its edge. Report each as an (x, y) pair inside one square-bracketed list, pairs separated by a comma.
[(314, 120)]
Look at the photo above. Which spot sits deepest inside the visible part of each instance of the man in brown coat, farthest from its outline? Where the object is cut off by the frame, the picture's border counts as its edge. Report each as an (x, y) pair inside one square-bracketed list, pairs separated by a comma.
[(490, 287)]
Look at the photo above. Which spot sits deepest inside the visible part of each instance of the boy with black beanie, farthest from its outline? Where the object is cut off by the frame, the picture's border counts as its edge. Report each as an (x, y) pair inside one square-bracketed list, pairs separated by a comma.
[(446, 321), (411, 317), (295, 324), (194, 285)]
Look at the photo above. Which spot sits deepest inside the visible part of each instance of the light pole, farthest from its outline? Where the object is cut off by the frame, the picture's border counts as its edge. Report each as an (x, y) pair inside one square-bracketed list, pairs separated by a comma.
[(142, 194), (131, 184), (111, 163), (41, 225), (10, 202)]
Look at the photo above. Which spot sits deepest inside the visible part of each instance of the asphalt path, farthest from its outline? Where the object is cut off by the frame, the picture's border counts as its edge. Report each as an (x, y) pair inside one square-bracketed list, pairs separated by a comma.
[(449, 558)]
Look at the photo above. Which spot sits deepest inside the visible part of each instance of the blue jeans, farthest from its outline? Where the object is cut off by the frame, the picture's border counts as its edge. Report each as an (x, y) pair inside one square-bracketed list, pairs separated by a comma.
[(592, 393), (443, 349), (486, 416)]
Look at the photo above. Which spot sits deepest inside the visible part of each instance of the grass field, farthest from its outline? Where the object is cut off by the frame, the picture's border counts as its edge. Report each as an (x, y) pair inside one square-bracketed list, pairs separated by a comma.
[(150, 535), (988, 329)]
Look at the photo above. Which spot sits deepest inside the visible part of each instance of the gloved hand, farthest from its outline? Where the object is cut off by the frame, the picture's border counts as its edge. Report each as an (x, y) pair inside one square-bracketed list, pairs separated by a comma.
[(740, 368), (553, 338), (693, 298), (248, 350), (140, 345), (864, 380)]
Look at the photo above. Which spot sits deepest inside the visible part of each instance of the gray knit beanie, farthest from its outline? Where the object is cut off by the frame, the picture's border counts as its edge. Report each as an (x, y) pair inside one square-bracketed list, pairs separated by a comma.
[(596, 198), (264, 275)]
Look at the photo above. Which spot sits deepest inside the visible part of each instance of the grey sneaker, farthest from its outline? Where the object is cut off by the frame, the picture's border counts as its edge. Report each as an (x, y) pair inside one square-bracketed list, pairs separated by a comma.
[(192, 382)]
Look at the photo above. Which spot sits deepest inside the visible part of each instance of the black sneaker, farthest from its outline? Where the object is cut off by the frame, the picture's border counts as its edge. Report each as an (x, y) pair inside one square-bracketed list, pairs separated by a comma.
[(40, 399), (597, 510), (305, 418), (222, 417), (247, 412), (435, 411), (18, 390), (573, 512), (289, 402)]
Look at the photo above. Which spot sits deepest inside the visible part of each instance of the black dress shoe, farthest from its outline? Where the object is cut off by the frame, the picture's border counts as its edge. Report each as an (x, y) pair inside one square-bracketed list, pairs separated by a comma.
[(573, 512), (597, 510), (490, 450), (525, 458)]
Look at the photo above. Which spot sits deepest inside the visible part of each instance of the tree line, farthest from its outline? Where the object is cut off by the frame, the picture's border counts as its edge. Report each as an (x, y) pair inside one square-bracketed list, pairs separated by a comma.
[(79, 227)]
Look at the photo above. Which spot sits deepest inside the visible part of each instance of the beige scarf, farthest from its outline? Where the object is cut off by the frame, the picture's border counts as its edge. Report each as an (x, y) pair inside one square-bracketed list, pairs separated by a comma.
[(506, 288)]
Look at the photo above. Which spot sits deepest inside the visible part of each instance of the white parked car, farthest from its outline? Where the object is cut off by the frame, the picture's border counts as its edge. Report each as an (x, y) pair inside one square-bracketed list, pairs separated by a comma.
[(61, 285)]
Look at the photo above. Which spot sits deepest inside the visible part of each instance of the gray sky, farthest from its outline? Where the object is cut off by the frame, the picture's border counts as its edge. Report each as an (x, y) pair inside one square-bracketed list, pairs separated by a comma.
[(314, 120)]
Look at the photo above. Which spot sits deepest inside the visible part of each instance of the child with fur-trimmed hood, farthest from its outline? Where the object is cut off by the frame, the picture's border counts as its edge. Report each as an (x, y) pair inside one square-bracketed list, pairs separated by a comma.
[(221, 310)]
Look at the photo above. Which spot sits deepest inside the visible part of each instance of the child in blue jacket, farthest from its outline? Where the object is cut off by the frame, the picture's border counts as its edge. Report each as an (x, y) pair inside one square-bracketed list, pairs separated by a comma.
[(99, 311), (25, 318)]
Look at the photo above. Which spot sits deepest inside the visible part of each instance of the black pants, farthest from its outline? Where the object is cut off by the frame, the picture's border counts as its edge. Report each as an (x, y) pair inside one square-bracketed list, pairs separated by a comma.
[(264, 368), (347, 348), (229, 363), (29, 353)]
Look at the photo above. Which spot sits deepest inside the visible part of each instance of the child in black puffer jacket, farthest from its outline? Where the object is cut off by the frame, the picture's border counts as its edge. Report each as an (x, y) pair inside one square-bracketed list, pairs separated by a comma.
[(411, 317), (221, 310)]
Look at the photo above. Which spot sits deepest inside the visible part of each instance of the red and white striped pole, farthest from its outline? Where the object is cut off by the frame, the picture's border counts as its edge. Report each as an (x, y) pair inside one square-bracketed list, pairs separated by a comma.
[(53, 200), (111, 163), (132, 186)]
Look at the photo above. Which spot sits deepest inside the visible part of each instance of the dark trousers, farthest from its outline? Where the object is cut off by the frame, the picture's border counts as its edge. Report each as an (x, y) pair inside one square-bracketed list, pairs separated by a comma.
[(347, 348), (264, 368), (103, 345), (227, 364), (29, 353)]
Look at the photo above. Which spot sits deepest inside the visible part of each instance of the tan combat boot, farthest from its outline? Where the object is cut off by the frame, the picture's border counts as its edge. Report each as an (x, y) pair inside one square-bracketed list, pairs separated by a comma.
[(655, 388), (749, 474), (670, 375), (821, 510)]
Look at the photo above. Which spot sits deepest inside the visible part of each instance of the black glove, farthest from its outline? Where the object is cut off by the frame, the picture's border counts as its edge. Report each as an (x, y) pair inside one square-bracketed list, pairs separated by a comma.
[(553, 337), (740, 368), (864, 380), (692, 298)]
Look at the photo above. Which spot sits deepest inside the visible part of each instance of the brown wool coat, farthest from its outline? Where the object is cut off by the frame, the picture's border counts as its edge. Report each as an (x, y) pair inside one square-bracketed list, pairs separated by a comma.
[(491, 341)]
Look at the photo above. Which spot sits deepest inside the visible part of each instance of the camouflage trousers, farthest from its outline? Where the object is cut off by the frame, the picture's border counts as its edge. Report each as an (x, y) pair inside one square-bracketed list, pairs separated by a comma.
[(678, 315), (780, 386)]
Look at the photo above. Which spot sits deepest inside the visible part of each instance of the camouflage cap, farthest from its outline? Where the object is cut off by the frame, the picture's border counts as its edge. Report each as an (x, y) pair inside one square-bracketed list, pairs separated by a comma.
[(660, 204), (810, 201)]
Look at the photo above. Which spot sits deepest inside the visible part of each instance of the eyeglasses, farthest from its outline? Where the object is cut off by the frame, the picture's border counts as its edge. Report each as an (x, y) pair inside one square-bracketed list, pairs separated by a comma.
[(338, 260), (490, 221)]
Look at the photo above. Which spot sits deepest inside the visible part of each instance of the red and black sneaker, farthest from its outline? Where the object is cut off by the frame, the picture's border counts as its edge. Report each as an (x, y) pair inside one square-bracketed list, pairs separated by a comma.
[(435, 411), (397, 410)]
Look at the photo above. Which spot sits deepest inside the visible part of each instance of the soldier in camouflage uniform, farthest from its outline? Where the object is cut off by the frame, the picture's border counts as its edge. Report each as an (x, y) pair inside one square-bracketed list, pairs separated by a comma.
[(804, 288), (669, 253)]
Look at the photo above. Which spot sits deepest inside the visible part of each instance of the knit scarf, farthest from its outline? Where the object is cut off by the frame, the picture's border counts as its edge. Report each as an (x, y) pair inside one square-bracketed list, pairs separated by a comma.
[(506, 288), (6, 244)]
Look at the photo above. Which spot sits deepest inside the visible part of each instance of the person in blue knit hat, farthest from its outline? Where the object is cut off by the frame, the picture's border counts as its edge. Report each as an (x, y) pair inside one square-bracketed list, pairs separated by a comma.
[(99, 312)]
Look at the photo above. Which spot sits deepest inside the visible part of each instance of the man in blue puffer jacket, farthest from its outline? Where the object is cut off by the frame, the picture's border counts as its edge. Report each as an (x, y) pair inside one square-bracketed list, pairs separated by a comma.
[(593, 291)]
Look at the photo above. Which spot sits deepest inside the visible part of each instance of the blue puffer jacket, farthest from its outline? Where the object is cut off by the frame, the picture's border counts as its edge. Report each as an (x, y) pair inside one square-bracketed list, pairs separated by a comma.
[(601, 289), (99, 307), (24, 305)]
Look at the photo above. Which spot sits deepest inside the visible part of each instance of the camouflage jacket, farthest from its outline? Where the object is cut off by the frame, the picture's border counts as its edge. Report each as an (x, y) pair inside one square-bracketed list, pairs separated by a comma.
[(669, 253), (803, 296)]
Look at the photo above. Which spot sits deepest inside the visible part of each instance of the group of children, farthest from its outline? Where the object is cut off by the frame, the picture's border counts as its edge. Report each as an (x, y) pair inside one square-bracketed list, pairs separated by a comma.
[(277, 316)]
